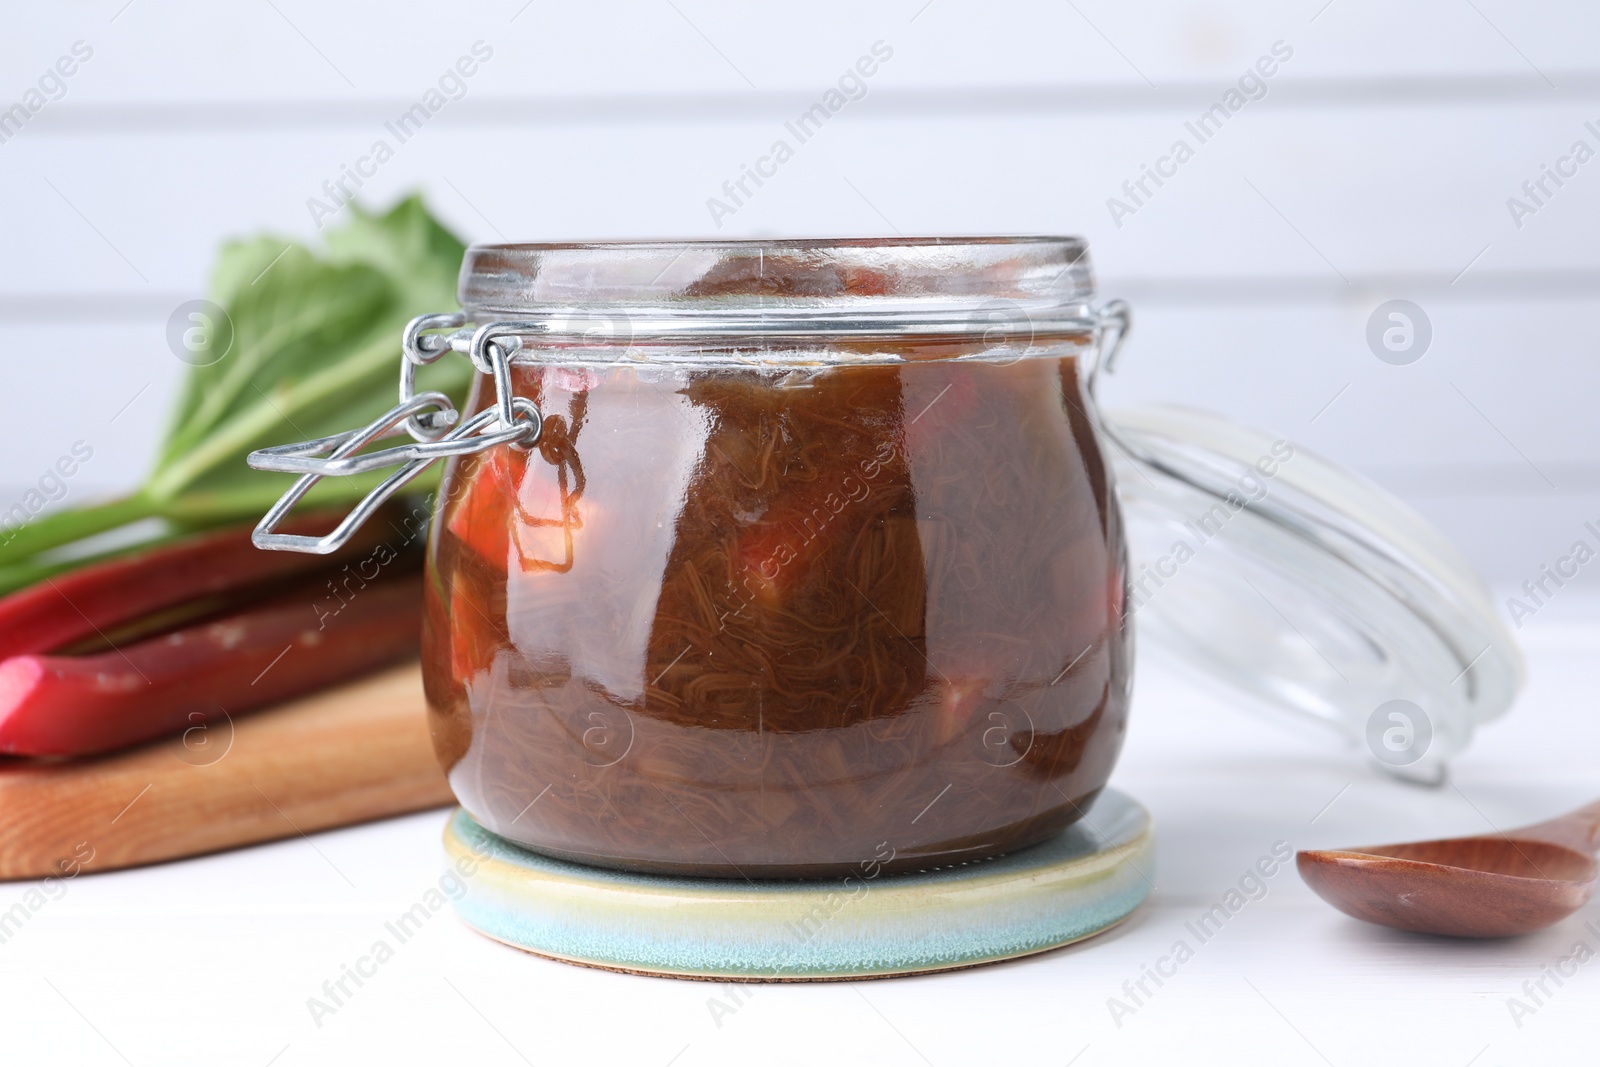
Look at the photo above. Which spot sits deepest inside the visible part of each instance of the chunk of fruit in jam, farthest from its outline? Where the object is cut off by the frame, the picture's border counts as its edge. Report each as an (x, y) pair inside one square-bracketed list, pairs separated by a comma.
[(537, 528)]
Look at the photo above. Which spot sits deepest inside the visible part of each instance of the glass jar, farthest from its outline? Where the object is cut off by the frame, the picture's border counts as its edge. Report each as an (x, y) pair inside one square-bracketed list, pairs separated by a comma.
[(816, 560), (795, 558)]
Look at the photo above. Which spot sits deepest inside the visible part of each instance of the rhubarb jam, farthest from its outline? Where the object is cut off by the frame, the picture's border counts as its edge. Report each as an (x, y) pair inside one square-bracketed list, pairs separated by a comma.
[(761, 621)]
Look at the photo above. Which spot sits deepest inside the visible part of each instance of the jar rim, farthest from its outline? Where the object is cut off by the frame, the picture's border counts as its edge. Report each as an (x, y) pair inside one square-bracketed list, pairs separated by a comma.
[(899, 285), (899, 240)]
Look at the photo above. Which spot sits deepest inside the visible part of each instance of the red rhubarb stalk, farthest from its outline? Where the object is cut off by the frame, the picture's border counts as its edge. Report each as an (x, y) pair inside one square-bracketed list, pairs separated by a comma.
[(79, 705), (86, 602)]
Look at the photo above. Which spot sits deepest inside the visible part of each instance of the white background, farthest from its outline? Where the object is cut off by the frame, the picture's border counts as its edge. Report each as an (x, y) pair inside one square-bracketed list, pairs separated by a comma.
[(1377, 167)]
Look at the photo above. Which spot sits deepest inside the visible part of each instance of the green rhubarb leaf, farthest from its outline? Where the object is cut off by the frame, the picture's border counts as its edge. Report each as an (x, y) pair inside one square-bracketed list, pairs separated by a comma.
[(316, 351), (316, 347), (299, 318), (407, 236)]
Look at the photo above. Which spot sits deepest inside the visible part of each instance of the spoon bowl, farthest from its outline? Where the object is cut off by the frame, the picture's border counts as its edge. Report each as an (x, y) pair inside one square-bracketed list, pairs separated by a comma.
[(1483, 886)]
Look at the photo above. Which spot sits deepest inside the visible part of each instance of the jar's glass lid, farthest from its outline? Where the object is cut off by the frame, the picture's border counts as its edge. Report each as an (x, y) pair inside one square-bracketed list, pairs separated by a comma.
[(1307, 588)]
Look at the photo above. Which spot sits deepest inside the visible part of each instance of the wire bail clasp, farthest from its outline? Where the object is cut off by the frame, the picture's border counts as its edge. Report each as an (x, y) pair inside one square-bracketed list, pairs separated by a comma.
[(1111, 327), (427, 417)]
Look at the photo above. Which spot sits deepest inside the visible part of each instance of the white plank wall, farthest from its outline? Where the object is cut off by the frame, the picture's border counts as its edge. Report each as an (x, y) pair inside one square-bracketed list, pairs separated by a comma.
[(1377, 165)]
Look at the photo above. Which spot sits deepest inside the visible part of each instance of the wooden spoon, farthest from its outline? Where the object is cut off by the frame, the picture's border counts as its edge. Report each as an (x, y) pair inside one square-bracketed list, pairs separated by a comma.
[(1490, 886)]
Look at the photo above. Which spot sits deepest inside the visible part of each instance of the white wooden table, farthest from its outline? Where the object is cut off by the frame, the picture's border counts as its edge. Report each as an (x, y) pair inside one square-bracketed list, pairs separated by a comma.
[(214, 961)]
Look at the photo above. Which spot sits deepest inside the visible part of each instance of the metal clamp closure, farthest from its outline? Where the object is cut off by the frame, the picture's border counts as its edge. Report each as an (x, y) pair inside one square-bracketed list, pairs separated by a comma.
[(1112, 324), (427, 417)]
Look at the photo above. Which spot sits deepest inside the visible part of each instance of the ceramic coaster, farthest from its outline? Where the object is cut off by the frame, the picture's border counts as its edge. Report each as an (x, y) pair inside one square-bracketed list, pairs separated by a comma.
[(1086, 880)]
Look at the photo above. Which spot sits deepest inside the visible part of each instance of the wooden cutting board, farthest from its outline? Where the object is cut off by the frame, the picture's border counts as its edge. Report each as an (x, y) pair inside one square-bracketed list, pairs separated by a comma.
[(341, 756)]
